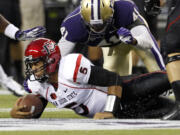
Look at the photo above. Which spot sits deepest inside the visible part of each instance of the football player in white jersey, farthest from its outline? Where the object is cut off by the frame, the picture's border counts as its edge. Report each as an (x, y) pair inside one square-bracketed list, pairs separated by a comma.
[(74, 82)]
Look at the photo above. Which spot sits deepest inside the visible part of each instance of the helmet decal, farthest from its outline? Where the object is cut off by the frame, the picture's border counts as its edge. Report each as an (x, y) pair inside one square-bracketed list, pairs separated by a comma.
[(49, 47)]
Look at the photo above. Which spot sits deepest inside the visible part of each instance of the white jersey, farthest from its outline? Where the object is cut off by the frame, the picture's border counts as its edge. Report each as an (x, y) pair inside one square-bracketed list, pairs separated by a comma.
[(73, 91)]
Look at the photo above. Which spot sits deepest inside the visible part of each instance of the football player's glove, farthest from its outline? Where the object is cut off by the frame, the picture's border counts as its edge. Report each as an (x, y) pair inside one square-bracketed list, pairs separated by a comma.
[(103, 115), (30, 34), (125, 36)]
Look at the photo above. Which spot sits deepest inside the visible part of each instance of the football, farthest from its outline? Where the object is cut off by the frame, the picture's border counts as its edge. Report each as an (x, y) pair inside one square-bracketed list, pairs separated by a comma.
[(33, 103)]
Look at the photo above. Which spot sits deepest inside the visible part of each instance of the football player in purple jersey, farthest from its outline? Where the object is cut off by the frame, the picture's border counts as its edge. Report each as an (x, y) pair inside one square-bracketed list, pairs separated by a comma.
[(118, 28)]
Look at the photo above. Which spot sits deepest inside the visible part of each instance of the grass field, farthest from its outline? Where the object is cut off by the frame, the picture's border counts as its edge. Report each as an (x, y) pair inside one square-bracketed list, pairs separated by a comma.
[(114, 132), (7, 101)]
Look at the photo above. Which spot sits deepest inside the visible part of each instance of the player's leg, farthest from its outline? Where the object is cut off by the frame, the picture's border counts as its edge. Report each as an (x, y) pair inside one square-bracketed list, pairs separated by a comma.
[(173, 71), (118, 59), (155, 107), (151, 58), (141, 93), (148, 59), (146, 85), (171, 50), (158, 107)]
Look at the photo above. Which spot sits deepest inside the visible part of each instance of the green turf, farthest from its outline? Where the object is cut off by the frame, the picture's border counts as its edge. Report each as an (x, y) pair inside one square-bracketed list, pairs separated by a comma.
[(62, 114), (109, 132), (7, 101)]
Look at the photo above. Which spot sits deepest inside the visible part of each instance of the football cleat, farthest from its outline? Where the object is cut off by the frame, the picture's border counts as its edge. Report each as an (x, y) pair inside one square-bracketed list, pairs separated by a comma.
[(10, 84), (174, 114)]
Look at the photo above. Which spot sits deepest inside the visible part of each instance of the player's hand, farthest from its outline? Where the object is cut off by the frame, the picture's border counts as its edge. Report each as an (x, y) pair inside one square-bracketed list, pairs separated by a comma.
[(30, 34), (103, 115), (125, 36), (17, 111)]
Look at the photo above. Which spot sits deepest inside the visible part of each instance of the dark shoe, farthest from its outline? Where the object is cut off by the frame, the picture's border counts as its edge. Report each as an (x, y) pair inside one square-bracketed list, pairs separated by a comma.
[(174, 114)]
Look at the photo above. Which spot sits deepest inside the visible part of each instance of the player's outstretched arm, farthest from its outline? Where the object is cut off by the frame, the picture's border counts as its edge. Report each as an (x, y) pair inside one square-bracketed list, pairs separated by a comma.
[(13, 32)]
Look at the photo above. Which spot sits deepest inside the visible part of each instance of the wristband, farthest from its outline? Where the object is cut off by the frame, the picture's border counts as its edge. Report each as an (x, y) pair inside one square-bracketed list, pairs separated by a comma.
[(10, 31), (113, 104)]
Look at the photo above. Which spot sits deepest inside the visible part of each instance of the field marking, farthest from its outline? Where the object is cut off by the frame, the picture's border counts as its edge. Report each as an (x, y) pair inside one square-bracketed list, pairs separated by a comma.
[(84, 124), (5, 92)]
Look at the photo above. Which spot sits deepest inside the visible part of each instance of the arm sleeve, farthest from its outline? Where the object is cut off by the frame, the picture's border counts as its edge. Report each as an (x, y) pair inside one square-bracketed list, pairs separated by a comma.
[(143, 36), (103, 77), (140, 31), (66, 46)]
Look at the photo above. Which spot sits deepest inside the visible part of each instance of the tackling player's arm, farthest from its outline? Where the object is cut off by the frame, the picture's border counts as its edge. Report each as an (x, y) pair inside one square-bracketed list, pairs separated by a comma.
[(13, 32), (137, 32)]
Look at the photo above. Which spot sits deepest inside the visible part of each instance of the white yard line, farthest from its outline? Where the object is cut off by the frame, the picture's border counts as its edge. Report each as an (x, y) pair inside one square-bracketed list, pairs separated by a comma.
[(84, 124), (5, 92)]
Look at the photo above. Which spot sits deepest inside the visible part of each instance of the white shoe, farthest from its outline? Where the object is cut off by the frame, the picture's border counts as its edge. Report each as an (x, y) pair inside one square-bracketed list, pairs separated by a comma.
[(11, 84), (14, 87)]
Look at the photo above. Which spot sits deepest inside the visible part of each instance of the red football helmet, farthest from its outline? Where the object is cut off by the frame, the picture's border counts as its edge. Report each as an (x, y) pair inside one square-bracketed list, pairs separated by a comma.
[(42, 49)]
